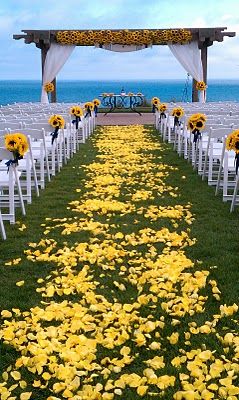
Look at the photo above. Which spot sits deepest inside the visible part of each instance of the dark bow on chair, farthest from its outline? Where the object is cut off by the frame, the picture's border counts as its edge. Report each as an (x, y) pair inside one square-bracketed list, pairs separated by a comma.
[(76, 121), (196, 134), (54, 134)]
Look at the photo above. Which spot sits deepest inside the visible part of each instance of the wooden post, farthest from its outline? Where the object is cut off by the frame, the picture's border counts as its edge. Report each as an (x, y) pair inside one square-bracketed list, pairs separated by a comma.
[(204, 61), (194, 92), (53, 94)]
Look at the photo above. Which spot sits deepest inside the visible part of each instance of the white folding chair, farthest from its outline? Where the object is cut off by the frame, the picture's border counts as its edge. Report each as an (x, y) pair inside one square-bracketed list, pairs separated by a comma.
[(9, 180), (2, 229)]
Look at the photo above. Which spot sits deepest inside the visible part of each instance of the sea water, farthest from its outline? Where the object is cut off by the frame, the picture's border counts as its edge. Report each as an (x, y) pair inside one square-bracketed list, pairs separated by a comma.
[(81, 91)]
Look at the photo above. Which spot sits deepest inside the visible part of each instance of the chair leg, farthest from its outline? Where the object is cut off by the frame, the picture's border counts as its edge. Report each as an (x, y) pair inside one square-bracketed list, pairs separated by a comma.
[(234, 194), (19, 191), (2, 229)]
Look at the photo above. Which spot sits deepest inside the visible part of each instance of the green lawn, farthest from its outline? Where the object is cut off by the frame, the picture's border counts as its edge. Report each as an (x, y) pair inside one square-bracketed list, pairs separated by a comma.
[(215, 250)]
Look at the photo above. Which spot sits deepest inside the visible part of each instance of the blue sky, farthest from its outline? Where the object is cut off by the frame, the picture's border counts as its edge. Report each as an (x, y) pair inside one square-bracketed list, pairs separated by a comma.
[(21, 61)]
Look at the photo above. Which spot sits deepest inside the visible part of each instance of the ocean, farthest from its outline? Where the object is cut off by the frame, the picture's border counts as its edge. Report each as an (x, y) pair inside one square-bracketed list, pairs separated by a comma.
[(81, 91)]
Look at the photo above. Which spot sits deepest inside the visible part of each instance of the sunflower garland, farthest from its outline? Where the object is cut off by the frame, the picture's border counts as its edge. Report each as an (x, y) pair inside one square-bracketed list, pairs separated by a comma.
[(232, 143), (201, 85), (57, 122), (196, 122), (177, 113), (49, 87), (124, 37), (17, 144), (78, 113)]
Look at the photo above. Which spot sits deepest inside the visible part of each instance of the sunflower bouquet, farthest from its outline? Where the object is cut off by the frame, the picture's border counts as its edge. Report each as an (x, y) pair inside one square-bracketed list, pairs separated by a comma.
[(57, 122), (89, 106), (177, 113), (196, 123), (201, 85), (78, 113), (232, 143), (162, 109), (96, 103), (17, 144), (155, 101), (49, 87)]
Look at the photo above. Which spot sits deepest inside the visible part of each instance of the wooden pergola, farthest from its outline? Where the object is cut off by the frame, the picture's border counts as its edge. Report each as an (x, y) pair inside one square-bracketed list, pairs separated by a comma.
[(204, 36)]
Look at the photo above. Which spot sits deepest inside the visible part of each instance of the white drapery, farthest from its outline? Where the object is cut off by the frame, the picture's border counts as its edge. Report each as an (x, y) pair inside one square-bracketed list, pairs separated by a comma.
[(122, 48), (189, 56), (56, 57)]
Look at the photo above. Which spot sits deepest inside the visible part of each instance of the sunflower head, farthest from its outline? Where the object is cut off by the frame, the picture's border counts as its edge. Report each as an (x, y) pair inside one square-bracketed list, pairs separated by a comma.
[(49, 87), (162, 107), (96, 102)]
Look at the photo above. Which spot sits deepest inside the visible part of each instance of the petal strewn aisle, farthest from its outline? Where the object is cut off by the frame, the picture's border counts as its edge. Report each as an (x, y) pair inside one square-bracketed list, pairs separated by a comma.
[(125, 310)]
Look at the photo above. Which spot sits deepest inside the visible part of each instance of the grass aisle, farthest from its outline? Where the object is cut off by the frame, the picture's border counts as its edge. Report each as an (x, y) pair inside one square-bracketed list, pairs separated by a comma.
[(128, 286)]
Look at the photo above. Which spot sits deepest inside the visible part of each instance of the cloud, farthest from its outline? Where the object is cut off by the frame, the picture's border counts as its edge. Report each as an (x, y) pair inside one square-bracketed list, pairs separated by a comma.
[(23, 61)]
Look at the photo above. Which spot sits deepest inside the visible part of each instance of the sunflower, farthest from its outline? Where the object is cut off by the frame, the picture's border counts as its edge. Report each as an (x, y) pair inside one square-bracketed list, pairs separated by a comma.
[(232, 141), (49, 87), (178, 112), (96, 102), (196, 121), (56, 121), (155, 101), (76, 111), (201, 85), (16, 143), (162, 107), (89, 105)]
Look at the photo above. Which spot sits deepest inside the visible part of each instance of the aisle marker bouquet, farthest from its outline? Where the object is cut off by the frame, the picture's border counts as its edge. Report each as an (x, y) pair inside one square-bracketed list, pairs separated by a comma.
[(232, 143), (96, 103), (89, 106), (78, 113), (162, 109), (57, 122), (177, 113), (17, 144), (196, 122), (155, 101)]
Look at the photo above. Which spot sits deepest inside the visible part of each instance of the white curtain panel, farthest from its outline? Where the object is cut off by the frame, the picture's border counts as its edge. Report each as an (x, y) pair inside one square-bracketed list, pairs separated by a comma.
[(189, 56), (56, 57), (121, 48)]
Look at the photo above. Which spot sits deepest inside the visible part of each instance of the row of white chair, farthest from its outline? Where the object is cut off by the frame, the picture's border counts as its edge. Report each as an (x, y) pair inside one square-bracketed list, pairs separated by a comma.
[(208, 155), (40, 163)]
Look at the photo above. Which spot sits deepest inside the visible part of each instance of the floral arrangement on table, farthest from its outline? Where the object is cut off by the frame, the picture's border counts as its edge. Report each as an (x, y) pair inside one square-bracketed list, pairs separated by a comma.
[(105, 94), (139, 94), (49, 87), (232, 143), (78, 113), (177, 113), (201, 85), (57, 122), (130, 94), (89, 106), (124, 36), (96, 103), (196, 122), (155, 101), (17, 144)]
